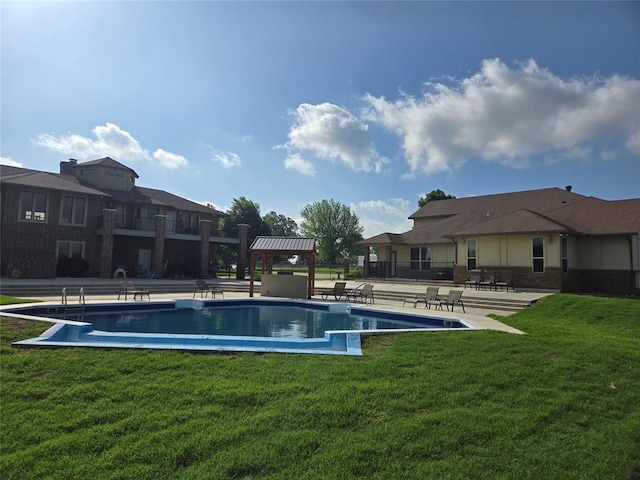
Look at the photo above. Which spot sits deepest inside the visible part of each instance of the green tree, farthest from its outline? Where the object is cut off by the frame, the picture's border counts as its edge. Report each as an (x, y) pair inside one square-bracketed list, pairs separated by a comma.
[(242, 211), (245, 211), (335, 228), (433, 195), (280, 225)]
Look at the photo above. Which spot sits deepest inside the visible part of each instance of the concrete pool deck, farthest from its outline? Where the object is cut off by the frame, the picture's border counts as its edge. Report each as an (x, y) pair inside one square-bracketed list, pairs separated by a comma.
[(390, 295)]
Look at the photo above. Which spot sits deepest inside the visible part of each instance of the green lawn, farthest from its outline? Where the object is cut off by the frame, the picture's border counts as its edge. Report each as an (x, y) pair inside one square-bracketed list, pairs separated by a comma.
[(562, 402)]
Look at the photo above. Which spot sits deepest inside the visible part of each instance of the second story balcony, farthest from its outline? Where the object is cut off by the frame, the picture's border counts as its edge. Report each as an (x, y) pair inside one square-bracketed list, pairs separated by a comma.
[(146, 227)]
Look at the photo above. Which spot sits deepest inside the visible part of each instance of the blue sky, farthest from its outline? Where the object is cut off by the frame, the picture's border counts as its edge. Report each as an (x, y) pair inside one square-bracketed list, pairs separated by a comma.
[(369, 103)]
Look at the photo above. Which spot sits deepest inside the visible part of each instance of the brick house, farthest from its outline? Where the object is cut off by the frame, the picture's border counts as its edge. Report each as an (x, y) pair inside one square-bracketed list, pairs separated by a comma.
[(550, 239), (92, 220)]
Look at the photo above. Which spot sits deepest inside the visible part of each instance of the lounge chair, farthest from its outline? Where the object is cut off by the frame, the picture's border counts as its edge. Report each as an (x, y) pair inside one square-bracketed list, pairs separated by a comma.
[(127, 288), (338, 291), (363, 291), (431, 296), (452, 299), (474, 277), (204, 288), (487, 280), (506, 280)]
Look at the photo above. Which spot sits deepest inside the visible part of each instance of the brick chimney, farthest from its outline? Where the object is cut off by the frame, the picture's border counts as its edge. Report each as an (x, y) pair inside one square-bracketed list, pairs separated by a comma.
[(66, 168)]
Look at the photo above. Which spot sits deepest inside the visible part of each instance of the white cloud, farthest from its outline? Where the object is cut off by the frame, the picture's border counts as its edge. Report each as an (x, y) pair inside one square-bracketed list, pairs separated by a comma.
[(169, 160), (379, 216), (295, 162), (226, 159), (10, 162), (330, 132), (110, 141), (508, 115)]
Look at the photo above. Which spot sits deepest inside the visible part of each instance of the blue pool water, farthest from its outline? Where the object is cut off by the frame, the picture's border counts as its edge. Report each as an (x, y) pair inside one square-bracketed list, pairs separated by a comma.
[(241, 324)]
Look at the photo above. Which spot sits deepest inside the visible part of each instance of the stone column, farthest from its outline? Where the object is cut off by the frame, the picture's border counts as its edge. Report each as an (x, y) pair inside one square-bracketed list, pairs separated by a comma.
[(205, 228), (243, 228), (157, 258), (106, 252)]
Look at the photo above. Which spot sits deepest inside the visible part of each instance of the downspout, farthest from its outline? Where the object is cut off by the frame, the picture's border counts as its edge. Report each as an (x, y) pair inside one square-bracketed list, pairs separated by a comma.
[(455, 256), (635, 273)]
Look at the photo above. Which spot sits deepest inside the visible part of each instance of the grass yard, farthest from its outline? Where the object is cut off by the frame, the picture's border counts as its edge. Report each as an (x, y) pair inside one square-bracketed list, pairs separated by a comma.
[(562, 402)]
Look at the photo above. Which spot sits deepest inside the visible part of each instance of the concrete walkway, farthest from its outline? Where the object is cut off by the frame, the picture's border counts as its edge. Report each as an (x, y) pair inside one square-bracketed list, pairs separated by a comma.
[(390, 294)]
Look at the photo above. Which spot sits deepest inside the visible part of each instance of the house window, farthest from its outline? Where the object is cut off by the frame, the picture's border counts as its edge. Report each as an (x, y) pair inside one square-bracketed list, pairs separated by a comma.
[(121, 215), (152, 212), (191, 221), (538, 254), (114, 173), (565, 256), (472, 254), (33, 206), (73, 210), (70, 250), (421, 258)]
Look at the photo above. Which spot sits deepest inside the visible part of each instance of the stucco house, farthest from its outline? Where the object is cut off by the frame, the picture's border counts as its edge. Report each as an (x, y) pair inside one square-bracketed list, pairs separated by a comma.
[(550, 238), (94, 211)]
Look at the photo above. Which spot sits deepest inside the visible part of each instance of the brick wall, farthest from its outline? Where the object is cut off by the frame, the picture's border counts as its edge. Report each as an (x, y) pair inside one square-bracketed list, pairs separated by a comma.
[(31, 247), (522, 277), (612, 282)]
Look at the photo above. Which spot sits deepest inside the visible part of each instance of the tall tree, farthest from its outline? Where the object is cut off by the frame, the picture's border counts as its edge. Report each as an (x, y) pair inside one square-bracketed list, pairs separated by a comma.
[(245, 211), (280, 225), (242, 211), (432, 196), (335, 228)]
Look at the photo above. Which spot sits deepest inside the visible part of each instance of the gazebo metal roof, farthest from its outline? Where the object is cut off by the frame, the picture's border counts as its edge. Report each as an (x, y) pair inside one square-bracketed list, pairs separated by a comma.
[(265, 248)]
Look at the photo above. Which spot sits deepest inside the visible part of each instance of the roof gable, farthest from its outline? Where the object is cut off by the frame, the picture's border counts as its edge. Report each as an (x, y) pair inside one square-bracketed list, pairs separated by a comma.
[(106, 162)]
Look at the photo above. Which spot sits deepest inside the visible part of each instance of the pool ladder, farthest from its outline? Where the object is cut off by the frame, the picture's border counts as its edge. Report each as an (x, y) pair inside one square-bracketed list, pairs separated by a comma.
[(73, 309)]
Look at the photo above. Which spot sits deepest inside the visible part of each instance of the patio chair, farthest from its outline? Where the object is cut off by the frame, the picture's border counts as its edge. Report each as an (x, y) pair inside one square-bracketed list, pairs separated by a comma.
[(127, 288), (363, 292), (452, 299), (338, 291), (474, 278), (430, 296), (204, 288), (487, 280), (506, 280)]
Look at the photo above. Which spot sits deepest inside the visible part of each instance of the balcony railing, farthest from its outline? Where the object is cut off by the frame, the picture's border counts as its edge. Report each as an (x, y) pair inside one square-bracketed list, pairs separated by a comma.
[(143, 224), (411, 270)]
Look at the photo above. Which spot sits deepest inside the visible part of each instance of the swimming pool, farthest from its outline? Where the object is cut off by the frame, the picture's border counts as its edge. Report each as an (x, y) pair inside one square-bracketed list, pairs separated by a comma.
[(259, 325)]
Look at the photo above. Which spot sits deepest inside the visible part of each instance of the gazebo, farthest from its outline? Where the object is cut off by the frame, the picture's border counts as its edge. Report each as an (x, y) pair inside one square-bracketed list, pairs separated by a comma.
[(266, 248)]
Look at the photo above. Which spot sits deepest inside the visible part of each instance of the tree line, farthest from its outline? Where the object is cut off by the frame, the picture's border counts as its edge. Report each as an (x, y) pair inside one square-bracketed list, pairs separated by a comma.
[(334, 226)]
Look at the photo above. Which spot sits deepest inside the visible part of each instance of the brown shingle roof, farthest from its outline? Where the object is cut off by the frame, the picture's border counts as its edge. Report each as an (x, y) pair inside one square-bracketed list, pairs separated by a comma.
[(518, 222), (24, 177), (384, 239), (593, 216), (538, 201), (550, 210)]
